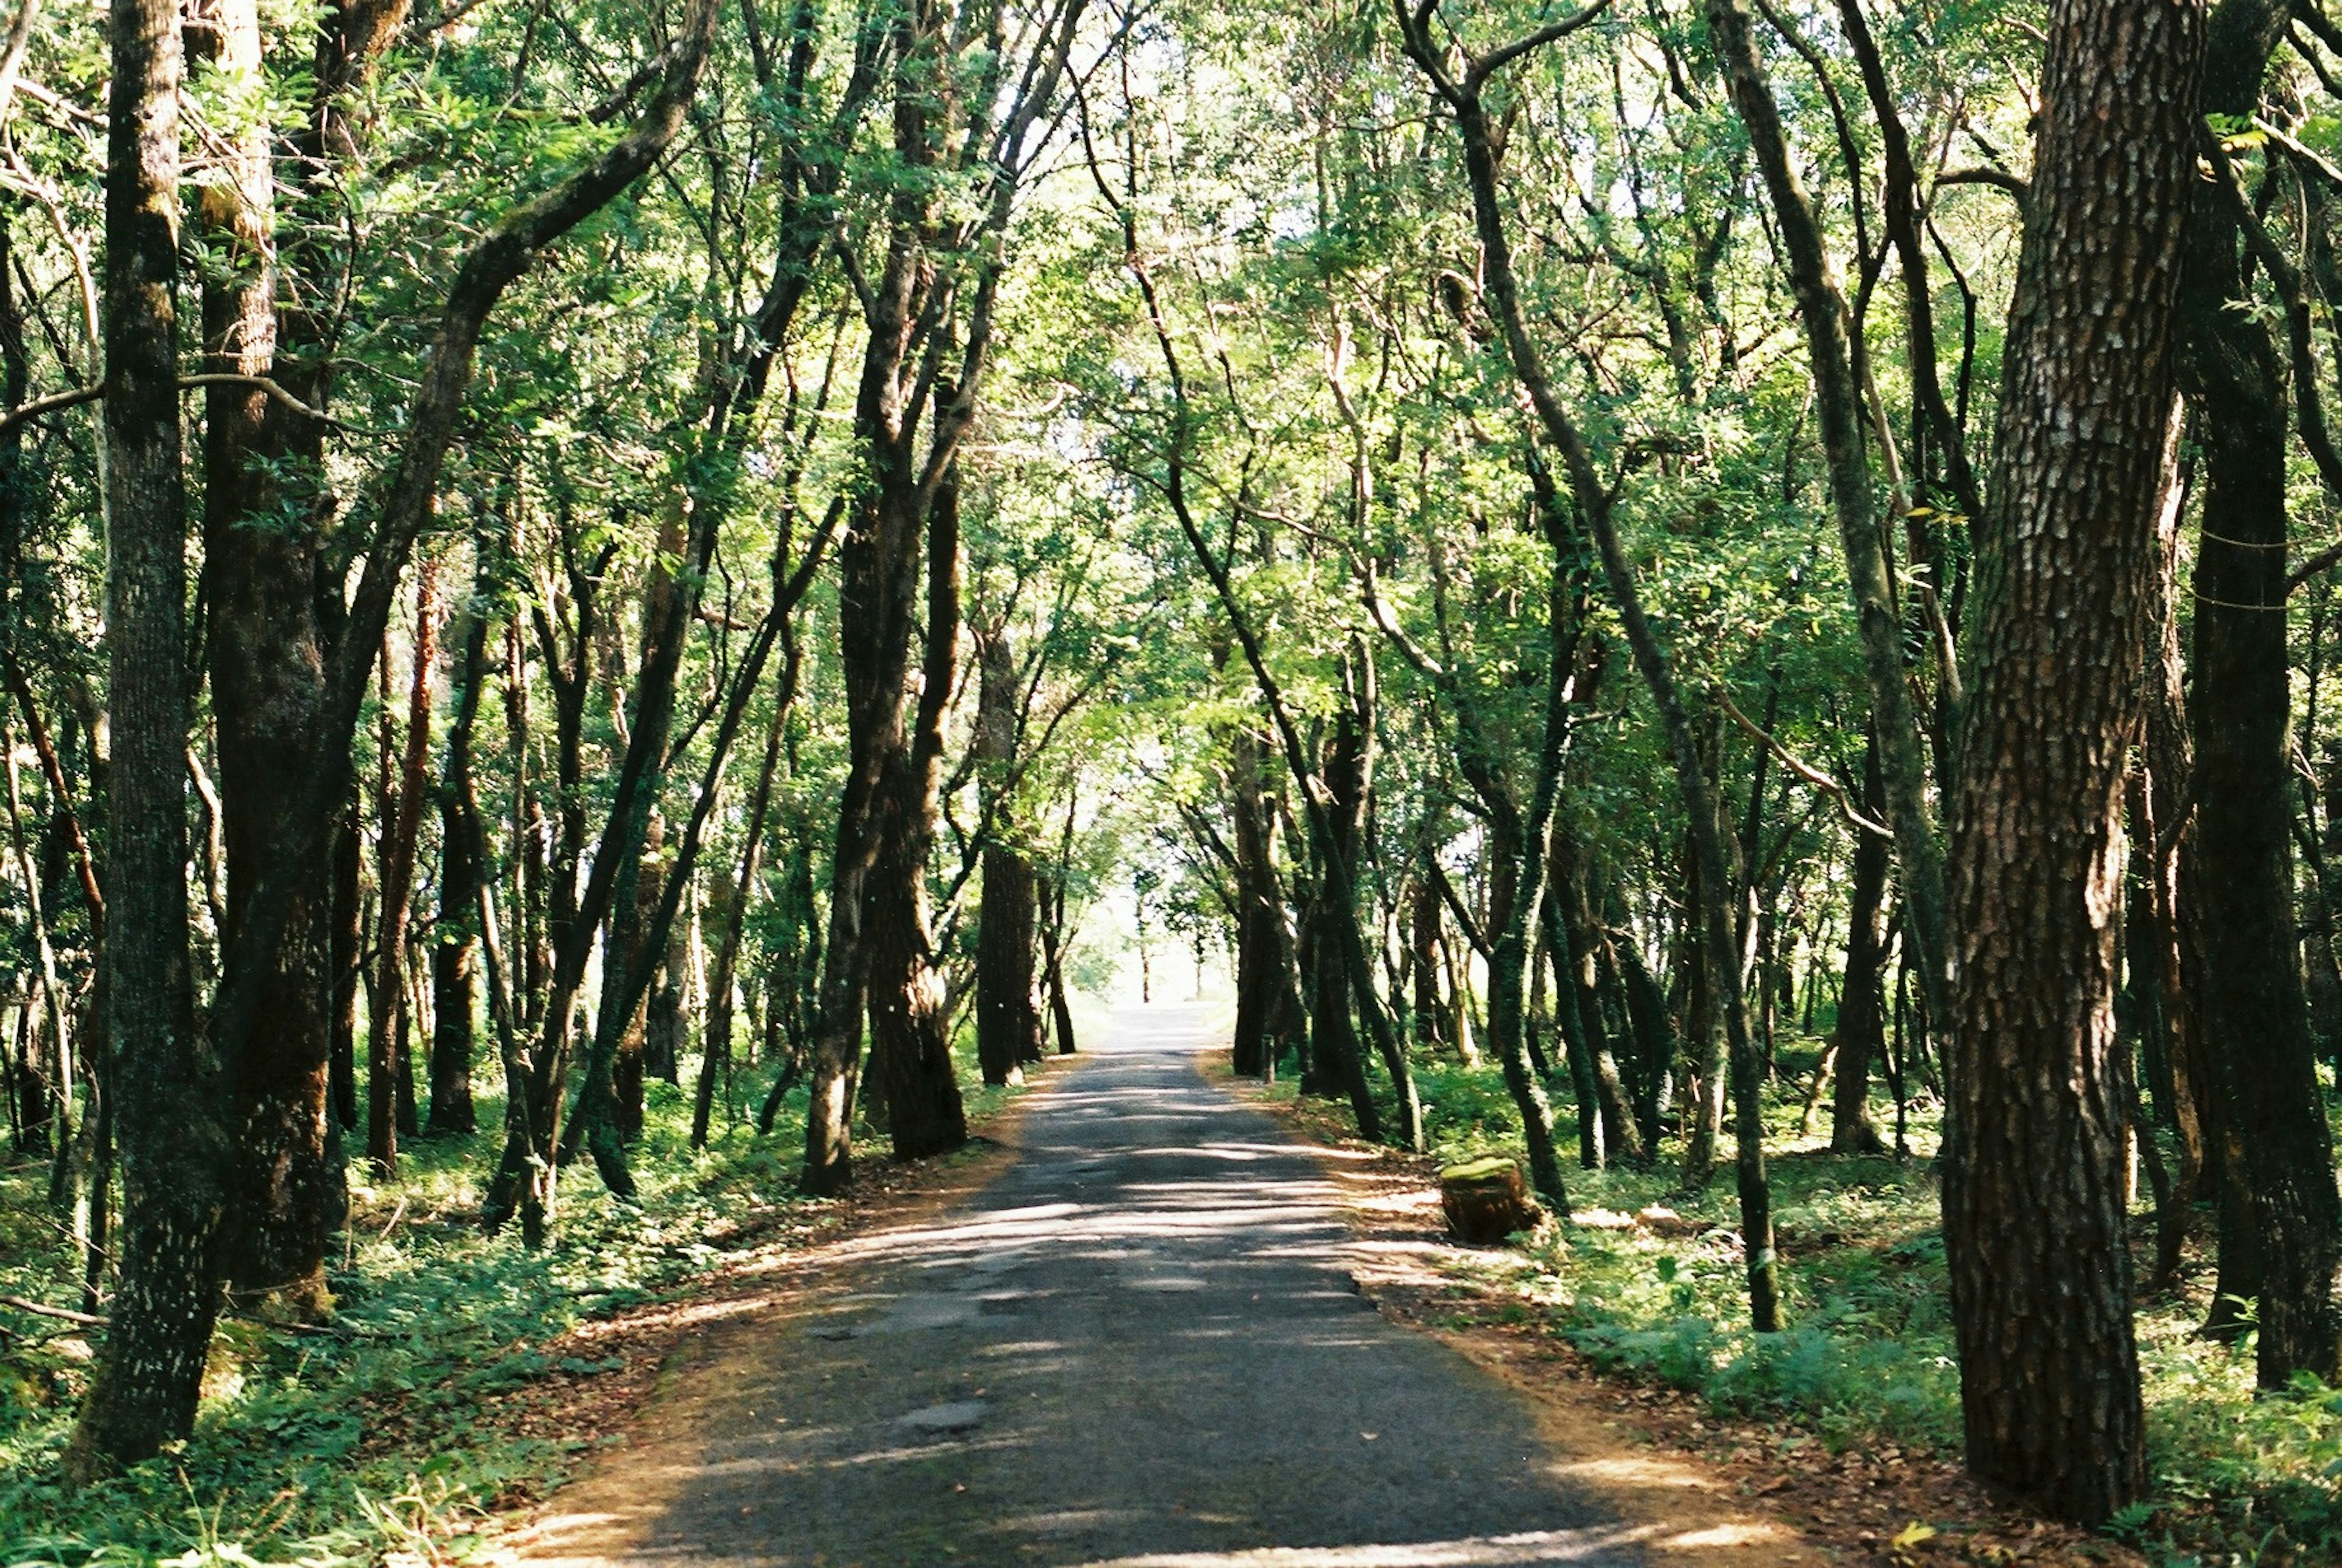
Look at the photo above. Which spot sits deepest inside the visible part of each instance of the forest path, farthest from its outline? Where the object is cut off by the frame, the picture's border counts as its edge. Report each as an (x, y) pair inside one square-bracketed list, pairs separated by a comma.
[(1139, 1346)]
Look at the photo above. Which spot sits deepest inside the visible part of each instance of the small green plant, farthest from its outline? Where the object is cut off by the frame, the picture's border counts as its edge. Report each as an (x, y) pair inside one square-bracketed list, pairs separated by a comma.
[(377, 1434)]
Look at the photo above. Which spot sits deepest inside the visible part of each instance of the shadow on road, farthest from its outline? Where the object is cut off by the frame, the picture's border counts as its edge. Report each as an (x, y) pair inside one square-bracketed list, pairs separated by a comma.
[(1140, 1347)]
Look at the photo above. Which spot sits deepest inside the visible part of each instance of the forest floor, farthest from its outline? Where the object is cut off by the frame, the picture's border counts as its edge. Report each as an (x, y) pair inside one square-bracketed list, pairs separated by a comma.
[(1133, 1337), (1863, 1505)]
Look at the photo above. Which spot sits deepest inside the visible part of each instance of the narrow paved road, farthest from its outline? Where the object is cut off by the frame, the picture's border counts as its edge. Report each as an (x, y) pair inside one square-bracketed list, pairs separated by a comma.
[(1138, 1346)]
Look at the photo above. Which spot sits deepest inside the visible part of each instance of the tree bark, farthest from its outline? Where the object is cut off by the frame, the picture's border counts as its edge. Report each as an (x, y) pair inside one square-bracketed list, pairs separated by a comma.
[(1007, 1019), (150, 1367), (1575, 941), (402, 829), (409, 495), (2255, 1011), (2034, 1192), (877, 960), (1260, 943), (453, 969), (285, 1193), (1861, 1033)]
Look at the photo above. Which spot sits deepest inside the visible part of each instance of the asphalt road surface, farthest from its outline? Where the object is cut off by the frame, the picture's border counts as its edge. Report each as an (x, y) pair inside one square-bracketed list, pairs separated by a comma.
[(1138, 1346)]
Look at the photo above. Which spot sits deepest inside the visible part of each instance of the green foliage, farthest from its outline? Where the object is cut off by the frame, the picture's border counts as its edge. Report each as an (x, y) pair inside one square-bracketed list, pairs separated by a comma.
[(1868, 1362), (392, 1427)]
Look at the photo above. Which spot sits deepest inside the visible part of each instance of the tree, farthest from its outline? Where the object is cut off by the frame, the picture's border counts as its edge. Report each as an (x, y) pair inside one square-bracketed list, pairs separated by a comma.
[(145, 1392), (2070, 564)]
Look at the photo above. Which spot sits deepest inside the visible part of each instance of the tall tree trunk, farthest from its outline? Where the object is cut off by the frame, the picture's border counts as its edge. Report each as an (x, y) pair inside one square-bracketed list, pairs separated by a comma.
[(2254, 1008), (2034, 1191), (346, 960), (2167, 934), (716, 1048), (1260, 944), (878, 959), (1008, 1020), (1425, 917), (1057, 933), (285, 1190), (1576, 940), (910, 1021), (1702, 1089), (460, 875), (1861, 1033), (150, 1368), (401, 830)]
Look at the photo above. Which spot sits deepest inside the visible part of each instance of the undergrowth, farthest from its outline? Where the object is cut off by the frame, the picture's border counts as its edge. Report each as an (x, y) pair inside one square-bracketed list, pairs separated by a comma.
[(390, 1434), (1647, 1282)]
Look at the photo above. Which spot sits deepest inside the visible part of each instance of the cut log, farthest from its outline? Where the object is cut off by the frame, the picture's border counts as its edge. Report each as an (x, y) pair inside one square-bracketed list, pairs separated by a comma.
[(1486, 1200)]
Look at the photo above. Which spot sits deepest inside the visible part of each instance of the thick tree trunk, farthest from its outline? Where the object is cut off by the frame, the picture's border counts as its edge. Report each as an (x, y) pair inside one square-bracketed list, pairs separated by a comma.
[(2034, 1193), (150, 1369), (1007, 1017), (878, 961), (2255, 1014), (285, 1192), (908, 509), (488, 267), (1337, 1067), (910, 1021)]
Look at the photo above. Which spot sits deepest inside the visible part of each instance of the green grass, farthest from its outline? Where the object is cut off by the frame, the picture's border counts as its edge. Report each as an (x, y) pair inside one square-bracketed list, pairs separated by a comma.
[(1867, 1362), (386, 1434)]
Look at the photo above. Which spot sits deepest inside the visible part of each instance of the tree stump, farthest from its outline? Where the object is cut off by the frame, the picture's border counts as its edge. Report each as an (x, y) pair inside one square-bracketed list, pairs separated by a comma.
[(1486, 1200)]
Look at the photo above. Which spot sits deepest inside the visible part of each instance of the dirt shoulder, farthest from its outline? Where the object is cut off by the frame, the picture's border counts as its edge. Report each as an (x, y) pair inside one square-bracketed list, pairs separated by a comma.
[(1881, 1509)]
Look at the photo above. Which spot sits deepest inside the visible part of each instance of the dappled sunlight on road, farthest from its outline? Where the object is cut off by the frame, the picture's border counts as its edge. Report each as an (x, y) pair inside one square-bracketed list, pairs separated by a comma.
[(1541, 1546), (1141, 1346)]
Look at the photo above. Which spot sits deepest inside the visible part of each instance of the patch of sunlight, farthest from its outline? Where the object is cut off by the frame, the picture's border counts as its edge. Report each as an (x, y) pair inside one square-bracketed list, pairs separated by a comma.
[(1524, 1551)]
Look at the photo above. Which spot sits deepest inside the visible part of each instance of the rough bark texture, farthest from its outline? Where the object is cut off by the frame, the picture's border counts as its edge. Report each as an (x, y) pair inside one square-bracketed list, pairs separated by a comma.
[(879, 958), (2035, 1188), (407, 499), (2256, 1014), (1007, 1016), (267, 672), (150, 1368)]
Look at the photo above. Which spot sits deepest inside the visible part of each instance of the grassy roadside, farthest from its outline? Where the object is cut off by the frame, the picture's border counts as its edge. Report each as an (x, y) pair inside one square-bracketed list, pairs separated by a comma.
[(1643, 1289), (461, 1377)]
